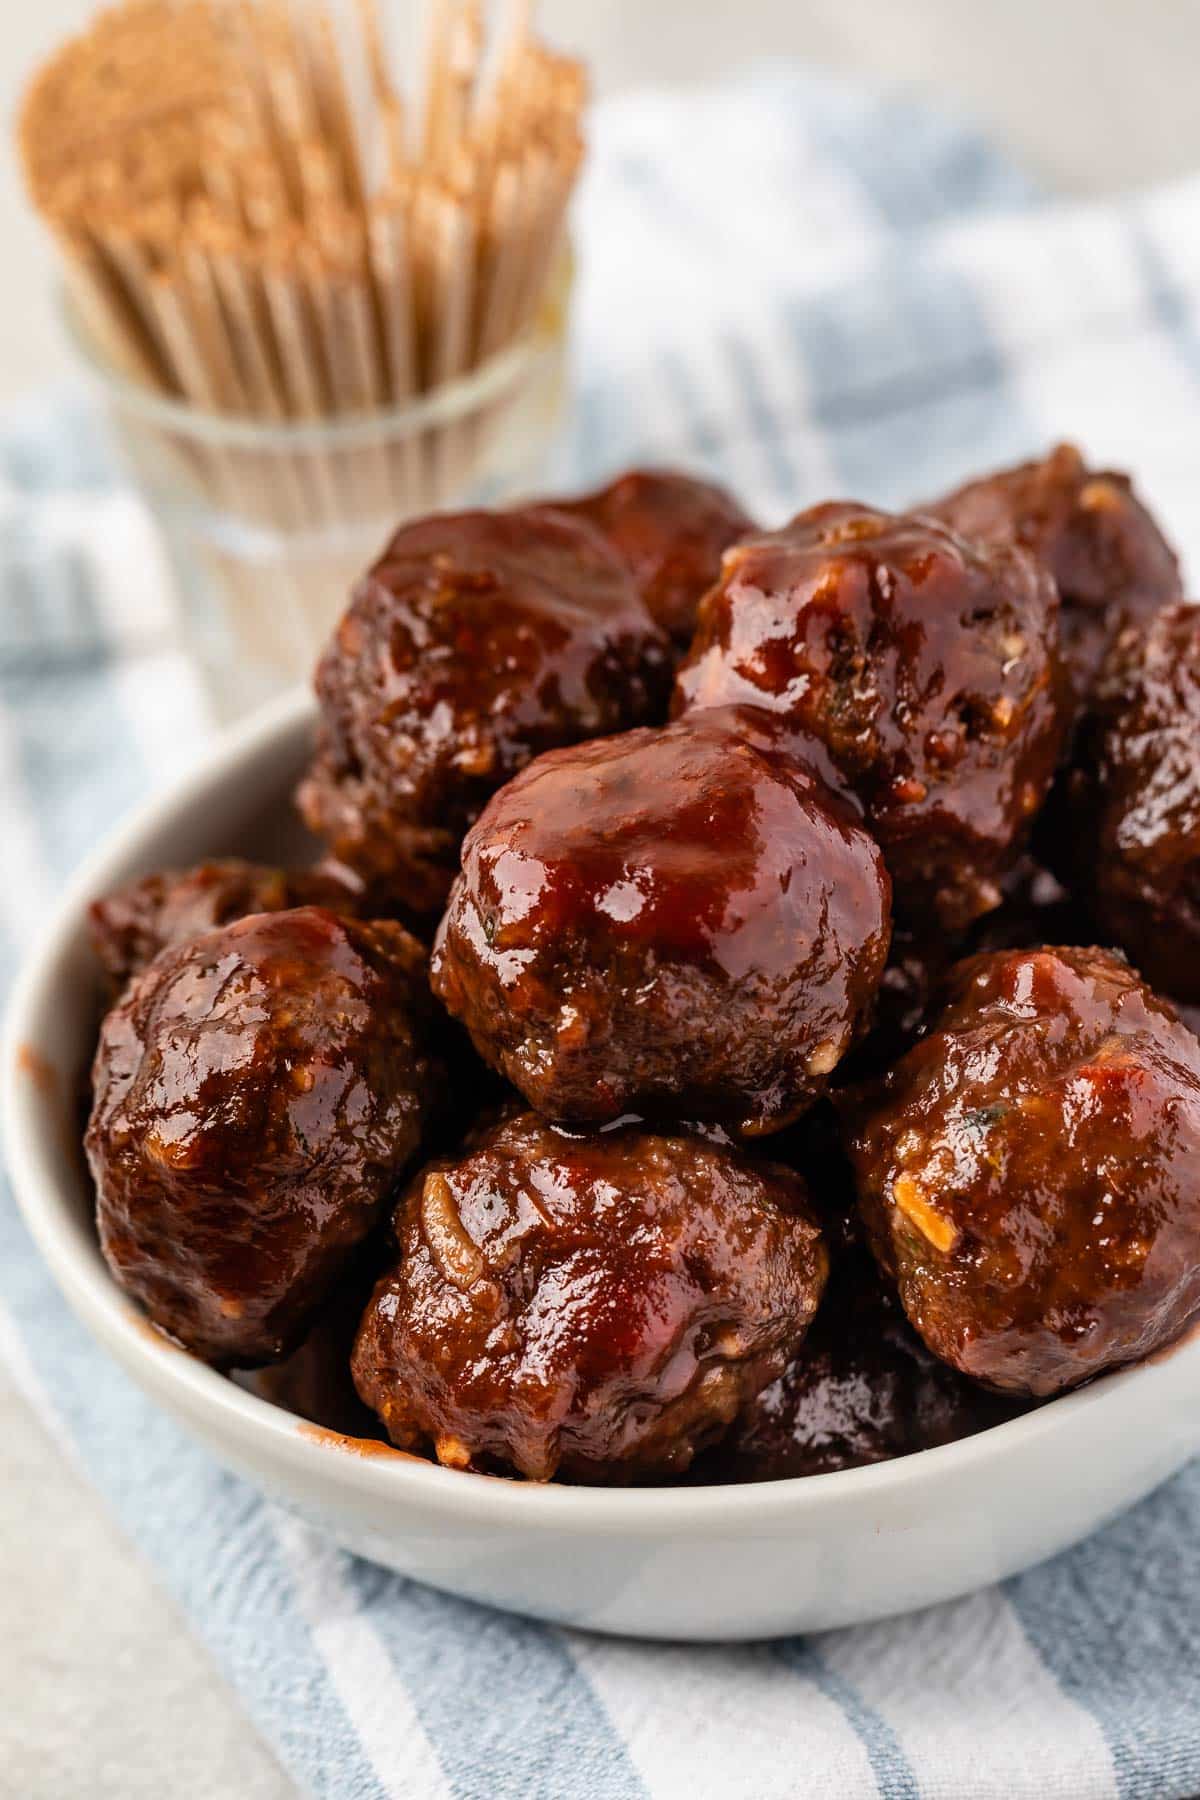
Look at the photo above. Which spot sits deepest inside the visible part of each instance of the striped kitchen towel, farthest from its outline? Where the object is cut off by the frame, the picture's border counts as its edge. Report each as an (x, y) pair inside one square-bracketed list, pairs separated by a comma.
[(806, 289)]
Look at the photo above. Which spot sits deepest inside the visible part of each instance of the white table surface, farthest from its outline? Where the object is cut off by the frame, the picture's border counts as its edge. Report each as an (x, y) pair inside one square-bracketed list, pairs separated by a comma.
[(102, 1690)]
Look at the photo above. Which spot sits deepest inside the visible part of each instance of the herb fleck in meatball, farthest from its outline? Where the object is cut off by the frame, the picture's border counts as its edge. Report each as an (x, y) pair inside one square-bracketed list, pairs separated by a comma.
[(1101, 544), (477, 640), (1132, 801), (670, 530), (258, 1092), (133, 923), (598, 1307), (1030, 1172), (681, 923), (928, 669)]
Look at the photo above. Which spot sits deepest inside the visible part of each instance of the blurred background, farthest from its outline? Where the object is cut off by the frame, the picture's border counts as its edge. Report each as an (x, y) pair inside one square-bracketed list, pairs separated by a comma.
[(1090, 96)]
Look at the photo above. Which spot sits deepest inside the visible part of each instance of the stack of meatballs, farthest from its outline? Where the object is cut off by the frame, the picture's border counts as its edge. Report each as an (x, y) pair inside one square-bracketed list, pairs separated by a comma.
[(739, 1025)]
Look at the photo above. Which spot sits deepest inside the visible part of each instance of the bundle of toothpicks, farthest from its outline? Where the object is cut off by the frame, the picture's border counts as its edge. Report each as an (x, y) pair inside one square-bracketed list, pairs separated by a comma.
[(332, 235), (259, 215)]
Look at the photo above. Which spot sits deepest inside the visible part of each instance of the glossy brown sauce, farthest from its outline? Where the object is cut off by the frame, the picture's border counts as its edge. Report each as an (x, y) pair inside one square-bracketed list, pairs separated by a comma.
[(1132, 800), (601, 1307), (748, 920), (926, 667), (148, 1329), (476, 641), (256, 1090), (355, 1446), (1106, 552), (670, 530), (684, 922), (861, 1389), (40, 1071), (1030, 1171)]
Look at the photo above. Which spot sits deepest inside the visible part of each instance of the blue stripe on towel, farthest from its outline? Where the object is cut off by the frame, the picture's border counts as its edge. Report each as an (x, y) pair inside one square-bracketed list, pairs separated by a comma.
[(504, 1705), (1115, 1620), (207, 1532), (915, 168), (60, 721), (1169, 305), (889, 1764), (765, 422), (904, 377)]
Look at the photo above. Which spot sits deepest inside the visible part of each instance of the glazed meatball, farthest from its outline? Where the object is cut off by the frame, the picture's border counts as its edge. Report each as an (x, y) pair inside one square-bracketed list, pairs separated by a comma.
[(597, 1307), (1102, 546), (927, 668), (476, 641), (1133, 801), (1030, 1172), (861, 1389), (258, 1091), (132, 924), (681, 923), (670, 530)]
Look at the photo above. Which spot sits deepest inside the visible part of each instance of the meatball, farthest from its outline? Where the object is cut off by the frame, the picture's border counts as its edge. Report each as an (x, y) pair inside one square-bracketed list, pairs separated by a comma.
[(670, 530), (132, 924), (684, 922), (476, 641), (258, 1091), (1030, 1172), (597, 1307), (1102, 546), (1133, 801), (861, 1389), (928, 669)]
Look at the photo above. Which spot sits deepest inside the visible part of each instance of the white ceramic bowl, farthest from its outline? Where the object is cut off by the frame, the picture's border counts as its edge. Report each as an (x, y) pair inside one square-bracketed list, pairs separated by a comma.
[(701, 1563)]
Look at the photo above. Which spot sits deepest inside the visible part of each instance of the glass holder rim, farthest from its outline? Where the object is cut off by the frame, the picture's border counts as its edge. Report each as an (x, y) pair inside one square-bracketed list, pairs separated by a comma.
[(439, 406)]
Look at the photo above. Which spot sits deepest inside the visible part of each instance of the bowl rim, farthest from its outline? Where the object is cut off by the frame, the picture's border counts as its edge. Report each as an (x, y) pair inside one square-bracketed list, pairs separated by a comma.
[(326, 1456)]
